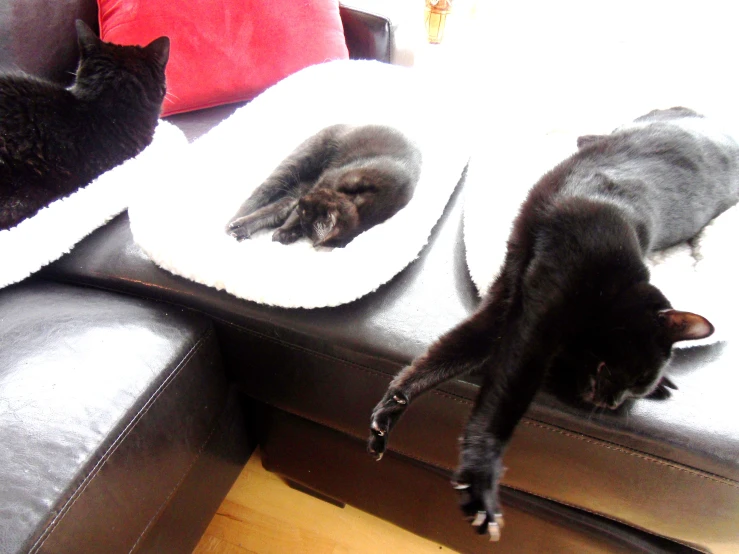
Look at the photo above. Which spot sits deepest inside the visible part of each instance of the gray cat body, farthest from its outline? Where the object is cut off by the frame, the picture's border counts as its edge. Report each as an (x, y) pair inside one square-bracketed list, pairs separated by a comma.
[(671, 170)]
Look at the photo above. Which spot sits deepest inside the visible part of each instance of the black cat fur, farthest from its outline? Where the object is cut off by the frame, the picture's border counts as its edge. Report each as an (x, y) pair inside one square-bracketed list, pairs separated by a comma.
[(54, 140), (573, 302), (337, 184)]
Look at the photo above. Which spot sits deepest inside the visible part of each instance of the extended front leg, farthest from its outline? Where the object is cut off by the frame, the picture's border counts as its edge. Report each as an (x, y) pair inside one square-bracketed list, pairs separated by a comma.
[(461, 350), (511, 381), (477, 480), (269, 216)]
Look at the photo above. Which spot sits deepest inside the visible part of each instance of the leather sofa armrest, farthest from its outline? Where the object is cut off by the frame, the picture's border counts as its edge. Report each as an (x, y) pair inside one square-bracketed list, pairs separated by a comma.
[(368, 36)]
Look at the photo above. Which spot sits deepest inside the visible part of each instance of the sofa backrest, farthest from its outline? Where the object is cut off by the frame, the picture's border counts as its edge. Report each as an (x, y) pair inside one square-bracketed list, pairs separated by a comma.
[(38, 36)]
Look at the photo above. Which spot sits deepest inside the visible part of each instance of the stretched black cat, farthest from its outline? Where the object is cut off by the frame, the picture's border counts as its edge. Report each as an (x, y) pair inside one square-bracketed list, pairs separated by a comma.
[(334, 186), (55, 140), (573, 299)]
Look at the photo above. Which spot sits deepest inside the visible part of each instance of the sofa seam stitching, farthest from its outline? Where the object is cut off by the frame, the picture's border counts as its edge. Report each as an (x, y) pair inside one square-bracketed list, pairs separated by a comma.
[(348, 432), (95, 471), (603, 515), (637, 454), (164, 504)]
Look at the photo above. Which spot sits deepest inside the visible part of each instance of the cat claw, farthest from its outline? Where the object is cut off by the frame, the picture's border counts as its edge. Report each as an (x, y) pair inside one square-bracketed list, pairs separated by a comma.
[(376, 454), (494, 531), (399, 399), (376, 444), (376, 429), (499, 520), (236, 230), (493, 527), (385, 414), (460, 486), (479, 518)]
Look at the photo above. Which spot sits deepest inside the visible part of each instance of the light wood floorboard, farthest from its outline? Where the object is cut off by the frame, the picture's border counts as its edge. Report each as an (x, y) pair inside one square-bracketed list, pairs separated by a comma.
[(262, 515)]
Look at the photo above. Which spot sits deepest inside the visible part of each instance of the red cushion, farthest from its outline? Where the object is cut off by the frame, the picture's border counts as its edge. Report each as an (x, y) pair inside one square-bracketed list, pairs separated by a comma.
[(229, 50)]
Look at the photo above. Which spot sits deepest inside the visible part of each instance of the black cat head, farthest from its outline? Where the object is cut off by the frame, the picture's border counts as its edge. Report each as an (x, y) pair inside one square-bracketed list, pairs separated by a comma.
[(629, 344), (331, 214), (328, 217), (104, 66)]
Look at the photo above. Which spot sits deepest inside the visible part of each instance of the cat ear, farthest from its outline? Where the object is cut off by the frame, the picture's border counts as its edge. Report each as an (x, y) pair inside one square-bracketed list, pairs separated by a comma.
[(86, 37), (159, 50), (685, 325)]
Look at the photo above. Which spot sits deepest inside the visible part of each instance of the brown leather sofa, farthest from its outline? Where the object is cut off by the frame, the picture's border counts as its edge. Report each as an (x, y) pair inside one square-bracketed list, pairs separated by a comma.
[(120, 429), (657, 476)]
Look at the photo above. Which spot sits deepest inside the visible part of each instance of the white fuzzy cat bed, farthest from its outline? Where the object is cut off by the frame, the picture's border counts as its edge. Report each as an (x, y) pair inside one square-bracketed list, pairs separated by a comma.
[(697, 277), (180, 222), (54, 230)]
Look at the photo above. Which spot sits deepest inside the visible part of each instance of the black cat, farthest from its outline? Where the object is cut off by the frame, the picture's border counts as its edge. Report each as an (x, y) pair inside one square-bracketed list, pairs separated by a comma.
[(54, 140), (334, 186), (573, 300)]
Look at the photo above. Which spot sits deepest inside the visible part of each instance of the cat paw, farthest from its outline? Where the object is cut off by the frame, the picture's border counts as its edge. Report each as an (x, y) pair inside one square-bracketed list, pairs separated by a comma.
[(287, 236), (238, 229), (384, 417), (476, 482)]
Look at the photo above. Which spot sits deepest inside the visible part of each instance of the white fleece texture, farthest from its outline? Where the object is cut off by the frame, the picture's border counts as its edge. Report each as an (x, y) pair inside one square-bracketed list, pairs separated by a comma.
[(696, 278), (54, 230), (180, 223)]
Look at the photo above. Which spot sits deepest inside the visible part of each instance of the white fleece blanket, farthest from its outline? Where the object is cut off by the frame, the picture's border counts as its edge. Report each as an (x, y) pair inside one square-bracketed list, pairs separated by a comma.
[(180, 223), (54, 230), (697, 277)]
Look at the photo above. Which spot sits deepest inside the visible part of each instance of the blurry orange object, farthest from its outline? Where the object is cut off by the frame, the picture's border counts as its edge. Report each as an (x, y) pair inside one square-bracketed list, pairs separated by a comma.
[(435, 17)]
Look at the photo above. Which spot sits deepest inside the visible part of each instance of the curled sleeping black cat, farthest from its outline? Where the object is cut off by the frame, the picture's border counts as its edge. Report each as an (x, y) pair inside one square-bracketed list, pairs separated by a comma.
[(337, 184), (573, 300), (54, 140)]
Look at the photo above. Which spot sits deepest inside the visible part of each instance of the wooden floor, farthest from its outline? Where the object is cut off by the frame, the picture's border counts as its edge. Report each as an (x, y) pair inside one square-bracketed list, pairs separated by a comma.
[(263, 515)]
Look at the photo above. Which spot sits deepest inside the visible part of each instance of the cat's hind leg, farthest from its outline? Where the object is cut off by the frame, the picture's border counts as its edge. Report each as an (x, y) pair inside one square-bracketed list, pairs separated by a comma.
[(271, 215), (461, 350)]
